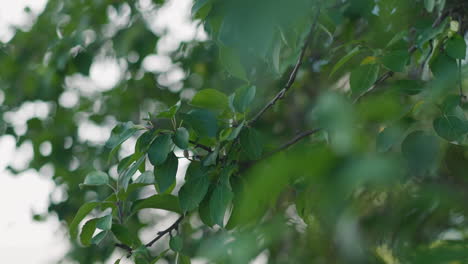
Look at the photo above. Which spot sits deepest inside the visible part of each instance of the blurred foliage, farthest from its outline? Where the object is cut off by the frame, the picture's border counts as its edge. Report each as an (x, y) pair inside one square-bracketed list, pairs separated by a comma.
[(361, 158)]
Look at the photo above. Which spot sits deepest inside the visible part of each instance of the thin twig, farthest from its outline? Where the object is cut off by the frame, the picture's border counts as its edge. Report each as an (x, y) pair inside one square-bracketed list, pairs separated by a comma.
[(292, 76), (164, 232), (198, 145), (293, 141), (126, 248)]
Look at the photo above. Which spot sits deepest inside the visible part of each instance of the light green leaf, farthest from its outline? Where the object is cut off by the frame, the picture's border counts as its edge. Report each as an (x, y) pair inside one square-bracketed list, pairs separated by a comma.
[(159, 257), (211, 158), (363, 77), (203, 122), (119, 134), (429, 4), (176, 243), (210, 99), (117, 261), (201, 8), (345, 59), (194, 189), (159, 150), (396, 60), (181, 138), (96, 240), (146, 177), (166, 202), (88, 231), (84, 210), (124, 179), (243, 98), (182, 259), (171, 112), (95, 178), (165, 174), (251, 143), (105, 222), (219, 202), (450, 128), (231, 62), (456, 47)]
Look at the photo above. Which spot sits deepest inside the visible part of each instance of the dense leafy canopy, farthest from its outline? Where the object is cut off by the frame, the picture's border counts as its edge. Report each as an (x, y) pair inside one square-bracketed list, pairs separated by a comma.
[(309, 131)]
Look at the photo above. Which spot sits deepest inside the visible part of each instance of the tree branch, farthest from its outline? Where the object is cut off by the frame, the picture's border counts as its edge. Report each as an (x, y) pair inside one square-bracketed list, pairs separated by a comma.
[(200, 145), (166, 231), (126, 248), (293, 141), (292, 76)]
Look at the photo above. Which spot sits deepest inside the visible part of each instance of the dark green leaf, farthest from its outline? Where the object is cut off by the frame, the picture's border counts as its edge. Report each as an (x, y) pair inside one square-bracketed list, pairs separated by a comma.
[(243, 98), (159, 150), (204, 211), (203, 122), (429, 4), (345, 59), (146, 177), (396, 60), (124, 179), (182, 259), (158, 201), (123, 234), (88, 231), (176, 243), (443, 65), (219, 202), (181, 138), (194, 189), (251, 143), (409, 87), (450, 128), (171, 112), (363, 77), (388, 138), (420, 151), (210, 99), (456, 47), (165, 174)]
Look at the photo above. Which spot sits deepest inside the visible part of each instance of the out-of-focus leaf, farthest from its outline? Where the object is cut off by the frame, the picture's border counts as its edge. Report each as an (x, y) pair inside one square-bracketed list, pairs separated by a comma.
[(231, 62), (176, 243), (210, 99), (345, 59), (219, 202), (363, 77), (450, 128), (251, 143), (181, 138), (420, 151), (396, 60), (243, 98), (456, 47)]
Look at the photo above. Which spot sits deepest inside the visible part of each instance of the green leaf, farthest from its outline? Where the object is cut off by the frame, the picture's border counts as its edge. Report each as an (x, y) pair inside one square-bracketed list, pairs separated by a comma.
[(117, 261), (210, 99), (124, 179), (123, 234), (105, 222), (251, 143), (176, 243), (166, 202), (95, 178), (194, 189), (125, 163), (363, 78), (211, 158), (201, 8), (231, 62), (146, 177), (119, 134), (203, 122), (396, 60), (442, 65), (429, 4), (171, 112), (388, 138), (204, 211), (450, 128), (236, 131), (181, 138), (84, 210), (159, 257), (88, 231), (159, 150), (96, 240), (420, 151), (165, 174), (409, 87), (345, 59), (456, 47), (243, 98), (219, 202), (182, 259)]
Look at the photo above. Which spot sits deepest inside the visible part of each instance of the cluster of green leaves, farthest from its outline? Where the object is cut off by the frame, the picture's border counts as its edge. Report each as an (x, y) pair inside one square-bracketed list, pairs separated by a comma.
[(383, 181)]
